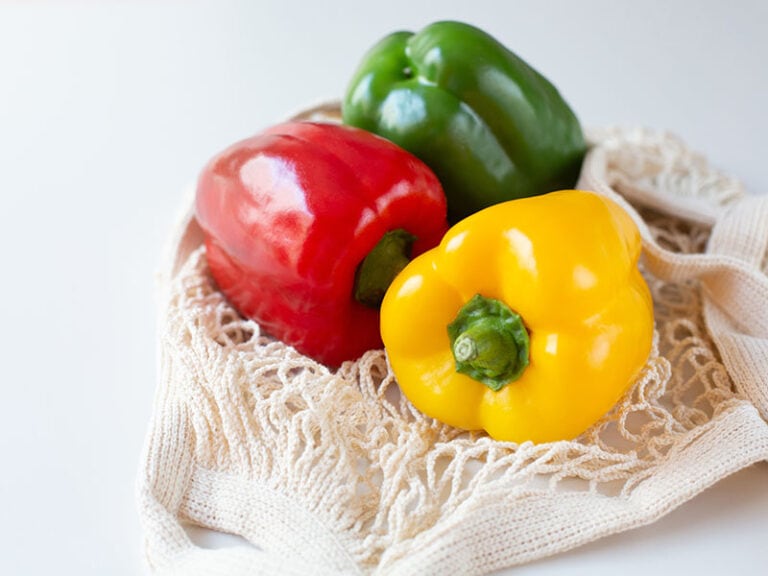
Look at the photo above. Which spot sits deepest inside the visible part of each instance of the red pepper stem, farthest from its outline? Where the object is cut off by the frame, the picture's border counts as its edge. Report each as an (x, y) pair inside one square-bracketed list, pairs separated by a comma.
[(383, 263), (489, 342)]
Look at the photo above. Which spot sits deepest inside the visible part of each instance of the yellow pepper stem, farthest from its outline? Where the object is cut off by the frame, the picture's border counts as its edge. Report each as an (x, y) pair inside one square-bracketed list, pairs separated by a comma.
[(489, 342), (381, 265)]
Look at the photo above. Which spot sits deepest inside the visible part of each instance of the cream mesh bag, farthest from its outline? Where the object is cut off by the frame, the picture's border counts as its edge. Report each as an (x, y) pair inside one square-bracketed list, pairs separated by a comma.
[(336, 473)]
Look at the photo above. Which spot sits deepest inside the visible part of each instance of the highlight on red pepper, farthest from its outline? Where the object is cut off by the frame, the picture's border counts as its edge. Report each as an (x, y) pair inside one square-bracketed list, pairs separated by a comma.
[(306, 224)]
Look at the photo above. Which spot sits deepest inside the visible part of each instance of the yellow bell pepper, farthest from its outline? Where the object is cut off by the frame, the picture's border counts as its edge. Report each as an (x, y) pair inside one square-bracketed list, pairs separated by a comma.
[(529, 321)]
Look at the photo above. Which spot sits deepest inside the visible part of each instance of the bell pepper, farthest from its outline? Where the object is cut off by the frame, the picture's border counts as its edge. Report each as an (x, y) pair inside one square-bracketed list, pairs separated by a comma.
[(529, 320), (490, 126), (305, 226)]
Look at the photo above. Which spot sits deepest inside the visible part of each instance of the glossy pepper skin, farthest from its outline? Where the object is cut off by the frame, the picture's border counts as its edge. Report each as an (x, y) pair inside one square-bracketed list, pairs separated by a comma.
[(289, 215), (566, 263), (490, 126)]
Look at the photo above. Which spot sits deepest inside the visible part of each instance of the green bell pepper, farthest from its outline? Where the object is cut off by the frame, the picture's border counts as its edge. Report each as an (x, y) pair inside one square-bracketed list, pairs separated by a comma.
[(490, 126)]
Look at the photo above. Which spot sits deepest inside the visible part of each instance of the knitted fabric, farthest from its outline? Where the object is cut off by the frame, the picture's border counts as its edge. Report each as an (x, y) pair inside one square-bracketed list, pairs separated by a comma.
[(334, 472)]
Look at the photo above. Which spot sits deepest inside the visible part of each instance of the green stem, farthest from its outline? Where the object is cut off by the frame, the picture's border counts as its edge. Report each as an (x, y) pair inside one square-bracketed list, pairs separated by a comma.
[(489, 342), (383, 263)]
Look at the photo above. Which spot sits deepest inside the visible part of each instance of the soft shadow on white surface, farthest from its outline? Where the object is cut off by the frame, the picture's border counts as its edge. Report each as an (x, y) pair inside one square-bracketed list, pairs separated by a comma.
[(213, 540), (700, 537)]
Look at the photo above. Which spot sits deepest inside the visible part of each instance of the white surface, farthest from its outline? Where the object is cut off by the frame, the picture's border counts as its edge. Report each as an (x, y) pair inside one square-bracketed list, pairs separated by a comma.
[(108, 109)]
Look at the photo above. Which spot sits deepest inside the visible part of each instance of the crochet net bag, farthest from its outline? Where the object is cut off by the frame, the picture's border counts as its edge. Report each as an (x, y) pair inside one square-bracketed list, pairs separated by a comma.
[(335, 473)]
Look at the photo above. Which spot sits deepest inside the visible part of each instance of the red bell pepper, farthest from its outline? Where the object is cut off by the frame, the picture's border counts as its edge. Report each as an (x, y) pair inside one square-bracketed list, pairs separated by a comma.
[(306, 224)]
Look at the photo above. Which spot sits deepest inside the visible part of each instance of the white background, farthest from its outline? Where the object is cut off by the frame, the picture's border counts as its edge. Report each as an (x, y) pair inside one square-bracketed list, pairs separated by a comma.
[(109, 109)]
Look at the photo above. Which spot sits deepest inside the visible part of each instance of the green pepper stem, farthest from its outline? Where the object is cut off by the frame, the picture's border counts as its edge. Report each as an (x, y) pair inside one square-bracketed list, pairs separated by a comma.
[(381, 265), (489, 342)]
